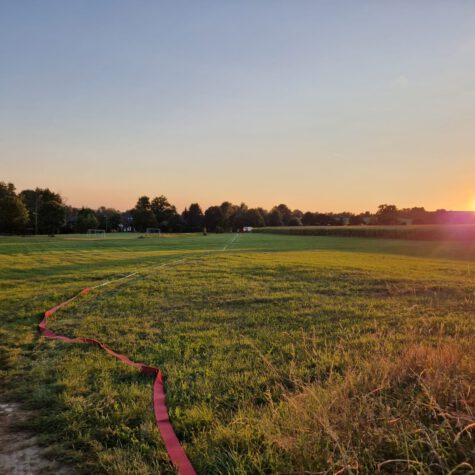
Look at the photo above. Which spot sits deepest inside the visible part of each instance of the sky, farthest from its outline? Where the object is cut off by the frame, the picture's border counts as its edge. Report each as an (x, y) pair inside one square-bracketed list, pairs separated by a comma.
[(322, 105)]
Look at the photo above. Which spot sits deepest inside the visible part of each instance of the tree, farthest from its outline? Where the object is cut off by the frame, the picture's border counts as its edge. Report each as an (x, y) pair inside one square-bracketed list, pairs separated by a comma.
[(417, 214), (228, 213), (254, 218), (143, 219), (175, 223), (13, 212), (387, 214), (143, 203), (109, 218), (275, 217), (165, 213), (193, 217), (294, 221), (265, 215), (213, 218), (285, 213), (70, 219), (46, 210), (31, 198), (308, 219), (297, 213), (322, 219), (88, 221), (142, 214), (162, 208), (356, 219), (51, 216), (239, 216)]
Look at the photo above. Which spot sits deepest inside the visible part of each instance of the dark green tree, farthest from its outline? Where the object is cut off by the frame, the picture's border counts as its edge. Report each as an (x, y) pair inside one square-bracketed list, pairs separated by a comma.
[(213, 218), (356, 219), (51, 216), (294, 221), (254, 218), (275, 217), (238, 216), (265, 214), (285, 213), (46, 210), (228, 212), (322, 219), (308, 219), (13, 212), (193, 217), (143, 216), (143, 203), (88, 221), (109, 218), (165, 213), (387, 214)]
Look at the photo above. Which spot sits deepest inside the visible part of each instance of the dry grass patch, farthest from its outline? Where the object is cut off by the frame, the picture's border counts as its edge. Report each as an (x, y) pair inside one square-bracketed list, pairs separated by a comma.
[(412, 412)]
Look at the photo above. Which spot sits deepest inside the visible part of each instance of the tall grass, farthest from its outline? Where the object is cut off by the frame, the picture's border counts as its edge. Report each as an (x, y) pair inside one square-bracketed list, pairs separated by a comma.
[(412, 411)]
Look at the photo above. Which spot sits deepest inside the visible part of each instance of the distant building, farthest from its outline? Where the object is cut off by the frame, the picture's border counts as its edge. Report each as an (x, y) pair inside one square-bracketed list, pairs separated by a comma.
[(127, 222), (406, 221), (247, 229)]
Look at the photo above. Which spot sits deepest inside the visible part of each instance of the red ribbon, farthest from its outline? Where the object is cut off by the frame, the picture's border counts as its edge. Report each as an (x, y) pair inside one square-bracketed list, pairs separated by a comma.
[(172, 444)]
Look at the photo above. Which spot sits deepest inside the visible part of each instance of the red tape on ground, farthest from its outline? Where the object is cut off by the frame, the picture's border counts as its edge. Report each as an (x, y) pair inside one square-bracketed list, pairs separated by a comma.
[(172, 444)]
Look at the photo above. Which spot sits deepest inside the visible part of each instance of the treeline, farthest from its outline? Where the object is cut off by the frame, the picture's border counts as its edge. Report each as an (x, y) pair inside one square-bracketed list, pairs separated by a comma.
[(42, 211)]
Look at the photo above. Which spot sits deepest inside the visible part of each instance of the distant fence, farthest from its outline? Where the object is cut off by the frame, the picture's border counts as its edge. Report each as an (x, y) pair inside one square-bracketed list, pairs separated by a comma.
[(428, 232)]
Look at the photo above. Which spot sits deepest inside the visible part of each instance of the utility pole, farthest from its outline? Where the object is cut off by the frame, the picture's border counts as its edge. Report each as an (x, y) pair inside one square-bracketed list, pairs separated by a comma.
[(36, 214), (38, 199)]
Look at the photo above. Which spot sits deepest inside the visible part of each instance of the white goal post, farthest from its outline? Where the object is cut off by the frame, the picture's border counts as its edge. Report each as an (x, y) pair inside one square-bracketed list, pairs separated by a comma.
[(96, 232), (153, 231)]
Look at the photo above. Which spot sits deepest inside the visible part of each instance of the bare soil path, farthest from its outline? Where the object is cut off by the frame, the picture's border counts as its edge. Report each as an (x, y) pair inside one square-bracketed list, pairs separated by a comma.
[(20, 453)]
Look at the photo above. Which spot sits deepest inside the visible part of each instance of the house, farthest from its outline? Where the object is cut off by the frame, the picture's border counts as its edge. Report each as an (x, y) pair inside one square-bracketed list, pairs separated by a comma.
[(247, 229)]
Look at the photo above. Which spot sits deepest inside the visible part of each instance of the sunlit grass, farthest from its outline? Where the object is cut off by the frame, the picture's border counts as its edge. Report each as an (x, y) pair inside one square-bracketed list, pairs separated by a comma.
[(274, 351)]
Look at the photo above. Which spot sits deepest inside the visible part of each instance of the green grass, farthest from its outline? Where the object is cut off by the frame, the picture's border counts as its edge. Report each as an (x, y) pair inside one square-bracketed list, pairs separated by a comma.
[(421, 232), (281, 354)]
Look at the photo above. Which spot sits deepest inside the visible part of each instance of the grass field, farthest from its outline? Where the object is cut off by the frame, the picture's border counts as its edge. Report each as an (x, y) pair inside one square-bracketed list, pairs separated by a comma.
[(281, 354), (421, 232)]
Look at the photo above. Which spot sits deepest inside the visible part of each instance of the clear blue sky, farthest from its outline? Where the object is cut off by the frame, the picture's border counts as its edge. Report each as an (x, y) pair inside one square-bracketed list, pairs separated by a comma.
[(323, 105)]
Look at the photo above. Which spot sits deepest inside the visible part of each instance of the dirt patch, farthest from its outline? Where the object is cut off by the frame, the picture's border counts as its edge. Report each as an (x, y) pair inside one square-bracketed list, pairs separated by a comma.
[(20, 453)]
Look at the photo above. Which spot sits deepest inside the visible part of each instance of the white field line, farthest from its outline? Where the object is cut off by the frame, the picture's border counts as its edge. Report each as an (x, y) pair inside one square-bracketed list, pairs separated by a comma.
[(153, 267), (231, 242), (107, 282), (150, 269)]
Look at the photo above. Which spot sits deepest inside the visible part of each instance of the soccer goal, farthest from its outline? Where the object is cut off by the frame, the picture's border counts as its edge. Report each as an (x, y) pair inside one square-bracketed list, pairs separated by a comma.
[(153, 231), (96, 232)]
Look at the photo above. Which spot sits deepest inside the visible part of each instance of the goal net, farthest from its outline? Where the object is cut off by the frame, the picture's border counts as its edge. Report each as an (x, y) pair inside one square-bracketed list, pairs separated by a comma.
[(153, 231), (96, 232)]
